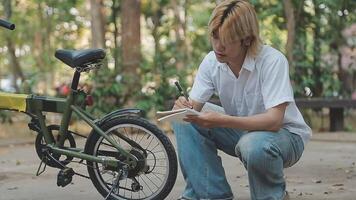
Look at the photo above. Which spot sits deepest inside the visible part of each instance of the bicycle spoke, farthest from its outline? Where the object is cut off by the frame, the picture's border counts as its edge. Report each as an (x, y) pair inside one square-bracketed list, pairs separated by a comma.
[(157, 176), (158, 151), (107, 144), (136, 135), (158, 173), (151, 181), (155, 147), (149, 143), (145, 184), (157, 159), (127, 134)]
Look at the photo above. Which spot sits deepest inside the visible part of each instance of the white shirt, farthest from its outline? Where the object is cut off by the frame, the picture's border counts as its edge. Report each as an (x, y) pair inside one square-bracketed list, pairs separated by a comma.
[(263, 83)]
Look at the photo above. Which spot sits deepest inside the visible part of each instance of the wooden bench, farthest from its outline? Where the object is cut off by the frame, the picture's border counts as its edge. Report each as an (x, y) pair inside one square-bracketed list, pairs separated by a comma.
[(336, 108)]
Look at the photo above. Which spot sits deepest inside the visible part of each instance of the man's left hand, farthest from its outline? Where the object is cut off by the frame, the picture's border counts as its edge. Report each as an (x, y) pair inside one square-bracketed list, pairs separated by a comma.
[(205, 119)]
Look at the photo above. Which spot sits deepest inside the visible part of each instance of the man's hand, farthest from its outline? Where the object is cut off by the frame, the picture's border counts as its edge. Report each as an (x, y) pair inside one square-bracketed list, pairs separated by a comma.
[(181, 102), (206, 119)]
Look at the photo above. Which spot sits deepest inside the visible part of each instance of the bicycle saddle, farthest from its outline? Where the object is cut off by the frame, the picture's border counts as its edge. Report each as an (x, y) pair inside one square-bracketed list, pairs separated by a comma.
[(80, 58)]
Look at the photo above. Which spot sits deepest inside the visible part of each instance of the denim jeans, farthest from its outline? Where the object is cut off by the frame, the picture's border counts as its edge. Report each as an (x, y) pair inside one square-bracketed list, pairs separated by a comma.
[(263, 153)]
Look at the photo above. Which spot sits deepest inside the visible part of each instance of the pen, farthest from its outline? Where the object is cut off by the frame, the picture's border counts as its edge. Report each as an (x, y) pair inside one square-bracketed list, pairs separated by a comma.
[(181, 91)]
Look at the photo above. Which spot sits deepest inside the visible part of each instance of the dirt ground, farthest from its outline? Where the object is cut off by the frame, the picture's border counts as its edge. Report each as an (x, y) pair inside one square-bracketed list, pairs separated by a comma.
[(326, 171)]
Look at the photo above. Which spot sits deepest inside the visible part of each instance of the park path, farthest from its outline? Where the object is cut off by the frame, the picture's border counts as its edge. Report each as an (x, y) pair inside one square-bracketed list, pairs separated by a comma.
[(326, 171)]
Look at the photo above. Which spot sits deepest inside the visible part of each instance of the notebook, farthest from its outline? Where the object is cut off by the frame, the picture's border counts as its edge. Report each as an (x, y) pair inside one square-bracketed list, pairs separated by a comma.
[(179, 114)]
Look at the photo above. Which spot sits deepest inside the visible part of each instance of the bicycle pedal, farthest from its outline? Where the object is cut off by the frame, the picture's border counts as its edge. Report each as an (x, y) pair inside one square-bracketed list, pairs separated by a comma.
[(64, 177)]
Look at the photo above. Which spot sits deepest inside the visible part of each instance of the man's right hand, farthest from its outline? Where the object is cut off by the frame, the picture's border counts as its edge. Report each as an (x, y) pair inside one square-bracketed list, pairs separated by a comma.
[(181, 102)]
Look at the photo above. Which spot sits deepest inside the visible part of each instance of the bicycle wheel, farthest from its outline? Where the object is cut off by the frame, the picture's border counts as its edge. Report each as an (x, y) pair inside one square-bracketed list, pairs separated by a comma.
[(156, 171)]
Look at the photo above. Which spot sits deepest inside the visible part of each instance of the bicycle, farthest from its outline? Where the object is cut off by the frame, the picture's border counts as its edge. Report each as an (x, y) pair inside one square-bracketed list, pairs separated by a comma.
[(127, 157)]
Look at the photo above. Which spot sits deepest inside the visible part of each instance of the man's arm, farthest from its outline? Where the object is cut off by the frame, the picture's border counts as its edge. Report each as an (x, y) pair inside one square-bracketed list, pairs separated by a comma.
[(271, 120)]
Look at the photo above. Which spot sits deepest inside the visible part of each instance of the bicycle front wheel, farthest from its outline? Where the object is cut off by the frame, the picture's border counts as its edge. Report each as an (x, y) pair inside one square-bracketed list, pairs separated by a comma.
[(156, 171)]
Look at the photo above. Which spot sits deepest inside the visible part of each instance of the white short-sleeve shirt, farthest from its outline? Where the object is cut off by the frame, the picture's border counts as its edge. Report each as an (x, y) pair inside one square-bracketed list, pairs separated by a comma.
[(263, 83)]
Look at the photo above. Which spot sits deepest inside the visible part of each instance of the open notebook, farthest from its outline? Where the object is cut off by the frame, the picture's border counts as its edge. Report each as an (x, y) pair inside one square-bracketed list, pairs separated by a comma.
[(178, 115)]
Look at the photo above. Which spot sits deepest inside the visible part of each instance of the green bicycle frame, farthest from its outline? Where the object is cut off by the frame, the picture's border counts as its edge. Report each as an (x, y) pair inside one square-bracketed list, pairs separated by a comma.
[(75, 102)]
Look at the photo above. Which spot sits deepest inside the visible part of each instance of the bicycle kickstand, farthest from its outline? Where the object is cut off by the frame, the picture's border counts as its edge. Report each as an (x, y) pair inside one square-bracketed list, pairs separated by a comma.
[(39, 167)]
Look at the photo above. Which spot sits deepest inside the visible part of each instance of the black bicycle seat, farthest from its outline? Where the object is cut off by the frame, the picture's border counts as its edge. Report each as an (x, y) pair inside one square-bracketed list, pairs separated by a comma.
[(79, 58)]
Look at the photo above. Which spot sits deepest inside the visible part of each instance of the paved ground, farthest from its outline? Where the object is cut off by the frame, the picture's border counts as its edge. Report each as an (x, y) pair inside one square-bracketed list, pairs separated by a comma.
[(326, 171)]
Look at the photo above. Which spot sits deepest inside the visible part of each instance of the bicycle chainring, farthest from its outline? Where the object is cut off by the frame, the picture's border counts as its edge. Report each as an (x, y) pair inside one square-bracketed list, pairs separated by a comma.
[(43, 151)]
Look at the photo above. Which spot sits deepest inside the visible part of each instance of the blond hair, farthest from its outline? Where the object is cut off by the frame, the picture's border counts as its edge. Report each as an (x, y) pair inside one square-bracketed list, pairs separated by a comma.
[(236, 20)]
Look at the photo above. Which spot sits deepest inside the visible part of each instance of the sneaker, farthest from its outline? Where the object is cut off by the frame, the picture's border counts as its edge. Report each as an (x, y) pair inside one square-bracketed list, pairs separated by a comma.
[(286, 196), (182, 198)]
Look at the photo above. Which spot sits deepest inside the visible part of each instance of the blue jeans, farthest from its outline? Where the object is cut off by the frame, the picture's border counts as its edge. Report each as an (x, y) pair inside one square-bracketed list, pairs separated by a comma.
[(264, 155)]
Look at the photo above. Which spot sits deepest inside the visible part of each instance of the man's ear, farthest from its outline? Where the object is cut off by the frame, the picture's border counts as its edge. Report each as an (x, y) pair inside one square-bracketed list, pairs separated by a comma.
[(247, 41)]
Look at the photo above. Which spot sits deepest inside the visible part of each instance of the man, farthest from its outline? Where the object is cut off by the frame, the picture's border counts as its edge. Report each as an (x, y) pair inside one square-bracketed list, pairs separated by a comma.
[(262, 125)]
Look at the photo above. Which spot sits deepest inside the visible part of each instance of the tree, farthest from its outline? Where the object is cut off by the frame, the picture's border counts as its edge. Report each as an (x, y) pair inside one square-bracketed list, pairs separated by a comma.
[(115, 8), (290, 19), (14, 63), (131, 44), (180, 9), (97, 23)]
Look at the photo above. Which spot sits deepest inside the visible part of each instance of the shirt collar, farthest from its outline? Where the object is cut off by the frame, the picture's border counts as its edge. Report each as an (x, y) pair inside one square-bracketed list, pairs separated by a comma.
[(249, 63)]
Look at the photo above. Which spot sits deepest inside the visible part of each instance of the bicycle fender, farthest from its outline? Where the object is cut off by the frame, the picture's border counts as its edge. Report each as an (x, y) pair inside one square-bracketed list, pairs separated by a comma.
[(121, 113)]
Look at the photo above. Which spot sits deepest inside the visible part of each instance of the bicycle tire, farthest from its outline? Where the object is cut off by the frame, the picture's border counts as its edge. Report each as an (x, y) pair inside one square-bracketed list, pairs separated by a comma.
[(94, 170)]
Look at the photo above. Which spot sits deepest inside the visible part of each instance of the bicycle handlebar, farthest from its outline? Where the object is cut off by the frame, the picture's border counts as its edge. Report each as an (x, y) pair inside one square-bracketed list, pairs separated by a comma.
[(7, 24)]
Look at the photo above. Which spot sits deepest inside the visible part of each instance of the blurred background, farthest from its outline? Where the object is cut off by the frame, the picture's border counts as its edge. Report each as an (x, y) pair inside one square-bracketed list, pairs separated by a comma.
[(151, 43)]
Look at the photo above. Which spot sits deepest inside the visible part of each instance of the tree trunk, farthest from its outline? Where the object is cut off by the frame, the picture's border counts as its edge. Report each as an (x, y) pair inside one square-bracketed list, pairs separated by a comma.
[(131, 46), (131, 39), (289, 14), (14, 63), (317, 51), (299, 66), (97, 23), (39, 41), (115, 10), (180, 29), (156, 37)]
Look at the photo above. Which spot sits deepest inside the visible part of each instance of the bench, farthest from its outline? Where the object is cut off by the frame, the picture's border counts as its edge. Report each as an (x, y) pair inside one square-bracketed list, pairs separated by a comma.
[(336, 108)]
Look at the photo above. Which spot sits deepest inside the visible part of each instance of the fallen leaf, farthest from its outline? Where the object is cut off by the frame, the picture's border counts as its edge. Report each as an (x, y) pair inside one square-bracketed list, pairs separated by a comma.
[(338, 184), (317, 181), (18, 162), (13, 188)]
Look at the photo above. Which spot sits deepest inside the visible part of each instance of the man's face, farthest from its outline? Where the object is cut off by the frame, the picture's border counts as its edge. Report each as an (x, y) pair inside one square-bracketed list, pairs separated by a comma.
[(229, 52)]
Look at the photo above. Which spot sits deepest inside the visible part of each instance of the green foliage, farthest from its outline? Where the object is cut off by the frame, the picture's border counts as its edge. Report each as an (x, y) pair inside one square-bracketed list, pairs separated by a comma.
[(106, 92), (46, 25)]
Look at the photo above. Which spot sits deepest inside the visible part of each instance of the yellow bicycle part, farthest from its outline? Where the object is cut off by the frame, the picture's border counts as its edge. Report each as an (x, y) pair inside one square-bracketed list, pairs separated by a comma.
[(10, 101)]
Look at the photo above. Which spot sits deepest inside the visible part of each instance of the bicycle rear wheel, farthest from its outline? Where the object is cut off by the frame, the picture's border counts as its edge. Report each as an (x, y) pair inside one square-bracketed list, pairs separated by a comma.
[(152, 182)]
